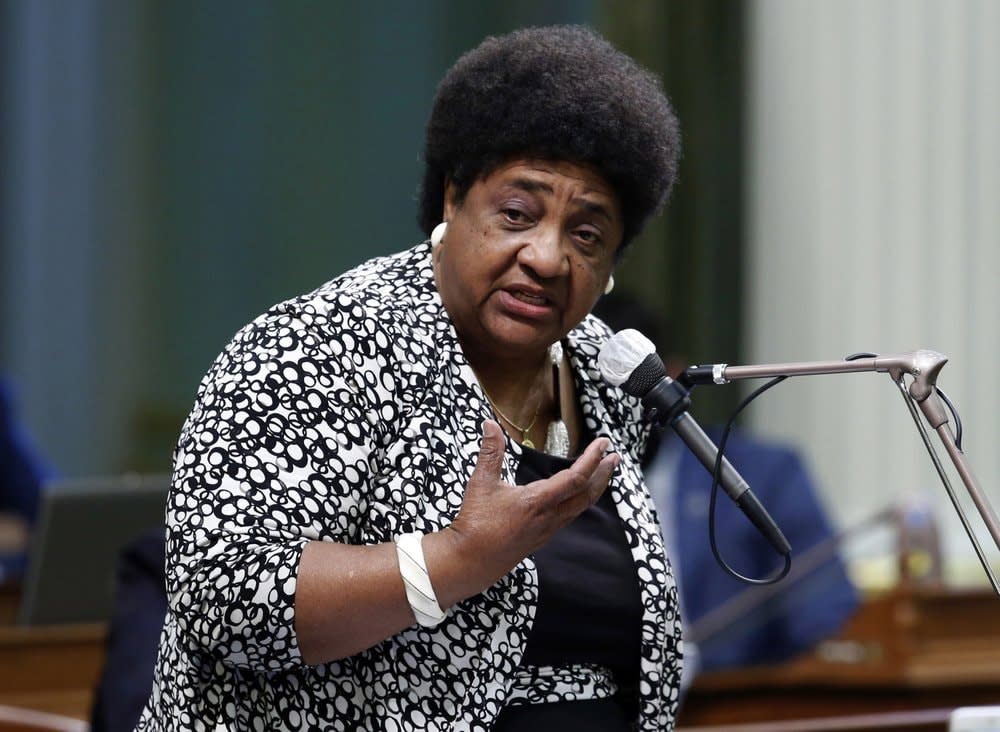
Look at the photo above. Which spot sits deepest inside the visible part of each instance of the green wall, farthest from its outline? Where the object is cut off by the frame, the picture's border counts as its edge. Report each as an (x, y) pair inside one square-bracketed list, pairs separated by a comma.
[(194, 162), (285, 149)]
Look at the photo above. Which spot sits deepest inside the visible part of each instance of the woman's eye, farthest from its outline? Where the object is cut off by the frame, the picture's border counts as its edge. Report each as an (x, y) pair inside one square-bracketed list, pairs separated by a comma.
[(588, 236), (515, 215)]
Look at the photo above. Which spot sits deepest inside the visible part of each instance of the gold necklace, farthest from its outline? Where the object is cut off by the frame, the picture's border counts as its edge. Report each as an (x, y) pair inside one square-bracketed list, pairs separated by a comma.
[(525, 440)]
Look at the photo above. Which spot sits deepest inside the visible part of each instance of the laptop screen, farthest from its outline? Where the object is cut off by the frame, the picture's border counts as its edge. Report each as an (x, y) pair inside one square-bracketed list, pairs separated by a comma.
[(83, 526)]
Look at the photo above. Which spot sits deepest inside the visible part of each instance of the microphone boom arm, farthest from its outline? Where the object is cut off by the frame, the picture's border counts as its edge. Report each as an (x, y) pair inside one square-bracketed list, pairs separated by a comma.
[(923, 367)]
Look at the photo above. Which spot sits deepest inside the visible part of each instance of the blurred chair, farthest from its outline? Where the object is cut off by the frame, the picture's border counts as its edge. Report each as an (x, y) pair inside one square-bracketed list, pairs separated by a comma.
[(133, 637)]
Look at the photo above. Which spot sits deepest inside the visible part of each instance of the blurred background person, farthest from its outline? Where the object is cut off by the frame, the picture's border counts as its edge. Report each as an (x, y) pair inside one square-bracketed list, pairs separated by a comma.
[(23, 474), (763, 624)]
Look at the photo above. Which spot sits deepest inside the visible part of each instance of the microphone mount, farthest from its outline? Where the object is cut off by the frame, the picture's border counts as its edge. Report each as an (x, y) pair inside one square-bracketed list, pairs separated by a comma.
[(921, 395)]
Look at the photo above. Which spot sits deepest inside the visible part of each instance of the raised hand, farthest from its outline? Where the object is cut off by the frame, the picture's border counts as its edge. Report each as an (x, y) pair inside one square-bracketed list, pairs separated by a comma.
[(499, 524)]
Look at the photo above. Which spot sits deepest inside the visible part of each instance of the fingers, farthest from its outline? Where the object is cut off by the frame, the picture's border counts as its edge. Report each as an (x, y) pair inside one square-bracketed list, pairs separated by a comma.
[(595, 485), (602, 476), (498, 526), (592, 456), (490, 461), (585, 480), (560, 497)]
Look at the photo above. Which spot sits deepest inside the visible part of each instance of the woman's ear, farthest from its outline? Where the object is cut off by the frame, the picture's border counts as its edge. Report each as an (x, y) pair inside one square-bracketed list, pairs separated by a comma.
[(450, 200)]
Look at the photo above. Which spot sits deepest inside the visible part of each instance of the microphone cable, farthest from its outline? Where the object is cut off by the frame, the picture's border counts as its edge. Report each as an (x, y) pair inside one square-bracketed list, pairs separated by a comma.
[(716, 479)]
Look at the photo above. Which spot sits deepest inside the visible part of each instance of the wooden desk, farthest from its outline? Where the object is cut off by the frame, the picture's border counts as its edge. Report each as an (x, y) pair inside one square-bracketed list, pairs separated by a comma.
[(925, 720), (51, 669), (904, 650)]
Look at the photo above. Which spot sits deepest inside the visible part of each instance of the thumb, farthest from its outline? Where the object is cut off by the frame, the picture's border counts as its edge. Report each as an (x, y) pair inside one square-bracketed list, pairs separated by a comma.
[(490, 460)]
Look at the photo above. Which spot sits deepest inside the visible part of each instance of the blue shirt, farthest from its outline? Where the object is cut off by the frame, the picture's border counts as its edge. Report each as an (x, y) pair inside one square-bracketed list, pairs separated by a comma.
[(796, 617)]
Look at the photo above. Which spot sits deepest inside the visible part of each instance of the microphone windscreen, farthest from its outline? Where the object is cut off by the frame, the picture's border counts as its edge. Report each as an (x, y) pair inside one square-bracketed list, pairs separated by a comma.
[(622, 353)]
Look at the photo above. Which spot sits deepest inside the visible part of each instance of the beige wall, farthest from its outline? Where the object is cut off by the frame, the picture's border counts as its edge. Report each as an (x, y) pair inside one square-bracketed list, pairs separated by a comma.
[(874, 174)]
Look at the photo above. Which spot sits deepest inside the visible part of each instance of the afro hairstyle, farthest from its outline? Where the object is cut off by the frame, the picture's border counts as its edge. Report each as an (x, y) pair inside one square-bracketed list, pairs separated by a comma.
[(560, 93)]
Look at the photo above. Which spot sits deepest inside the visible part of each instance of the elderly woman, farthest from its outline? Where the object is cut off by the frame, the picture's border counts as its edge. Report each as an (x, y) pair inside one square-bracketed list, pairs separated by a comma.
[(406, 500)]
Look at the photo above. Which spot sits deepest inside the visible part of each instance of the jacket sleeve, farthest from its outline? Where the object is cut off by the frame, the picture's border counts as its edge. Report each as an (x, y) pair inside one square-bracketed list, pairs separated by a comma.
[(276, 453)]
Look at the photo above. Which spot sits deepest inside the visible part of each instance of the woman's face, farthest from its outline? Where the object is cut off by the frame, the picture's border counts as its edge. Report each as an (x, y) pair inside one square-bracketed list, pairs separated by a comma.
[(526, 255)]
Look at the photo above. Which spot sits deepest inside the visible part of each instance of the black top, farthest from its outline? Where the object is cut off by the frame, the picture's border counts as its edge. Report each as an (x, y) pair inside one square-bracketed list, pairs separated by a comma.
[(589, 611)]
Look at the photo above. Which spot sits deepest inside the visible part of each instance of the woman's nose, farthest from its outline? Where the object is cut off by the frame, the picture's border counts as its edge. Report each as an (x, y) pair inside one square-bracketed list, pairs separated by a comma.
[(543, 253)]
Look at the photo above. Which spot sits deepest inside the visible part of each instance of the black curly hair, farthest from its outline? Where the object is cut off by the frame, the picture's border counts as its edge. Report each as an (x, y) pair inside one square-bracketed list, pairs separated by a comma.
[(555, 93)]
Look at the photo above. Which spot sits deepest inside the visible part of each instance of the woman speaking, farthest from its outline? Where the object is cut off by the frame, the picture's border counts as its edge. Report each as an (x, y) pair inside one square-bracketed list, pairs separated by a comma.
[(407, 500)]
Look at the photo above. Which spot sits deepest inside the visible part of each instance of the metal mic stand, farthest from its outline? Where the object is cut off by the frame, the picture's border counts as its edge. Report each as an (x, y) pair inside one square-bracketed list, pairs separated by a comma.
[(920, 396)]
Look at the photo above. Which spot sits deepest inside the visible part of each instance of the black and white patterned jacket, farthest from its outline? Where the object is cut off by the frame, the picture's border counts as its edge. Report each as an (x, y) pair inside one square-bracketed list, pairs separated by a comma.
[(350, 414)]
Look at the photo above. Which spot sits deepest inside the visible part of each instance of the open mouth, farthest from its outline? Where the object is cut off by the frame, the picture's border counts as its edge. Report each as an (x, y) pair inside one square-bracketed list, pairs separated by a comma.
[(526, 304), (527, 297)]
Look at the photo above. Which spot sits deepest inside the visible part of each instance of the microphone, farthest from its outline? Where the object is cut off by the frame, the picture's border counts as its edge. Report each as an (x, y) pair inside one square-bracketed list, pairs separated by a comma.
[(628, 359)]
